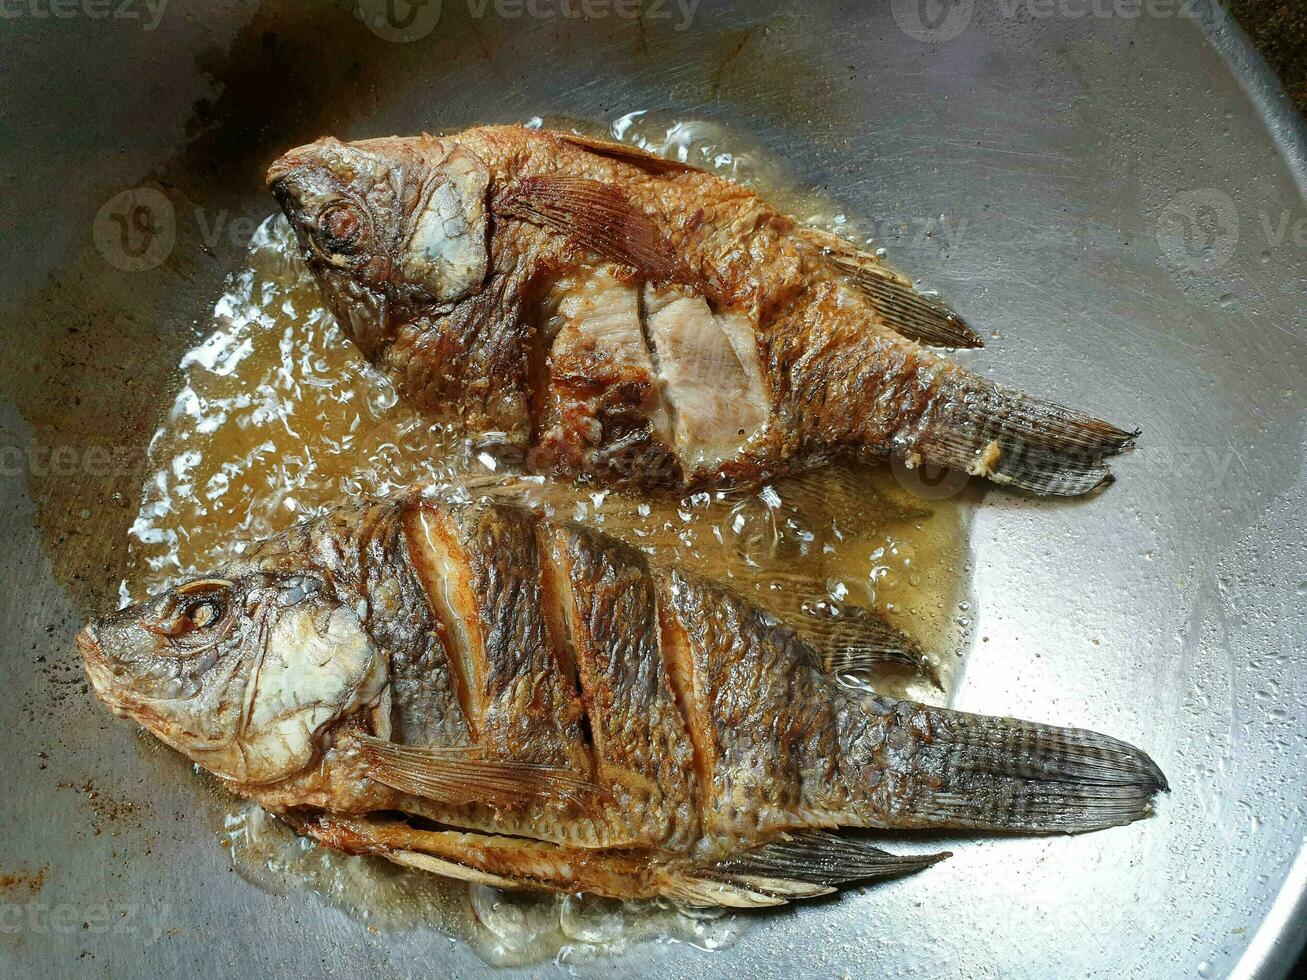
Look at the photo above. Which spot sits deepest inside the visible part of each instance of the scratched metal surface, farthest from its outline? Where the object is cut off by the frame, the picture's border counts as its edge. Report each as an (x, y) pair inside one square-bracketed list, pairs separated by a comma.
[(1119, 198)]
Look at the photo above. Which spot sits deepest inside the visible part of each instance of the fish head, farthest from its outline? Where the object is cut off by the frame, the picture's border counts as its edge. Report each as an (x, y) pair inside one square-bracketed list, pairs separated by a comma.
[(391, 228), (246, 676)]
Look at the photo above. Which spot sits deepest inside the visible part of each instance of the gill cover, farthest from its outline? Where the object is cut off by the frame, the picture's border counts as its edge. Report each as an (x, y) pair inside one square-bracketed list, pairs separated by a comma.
[(317, 666), (447, 249), (408, 215)]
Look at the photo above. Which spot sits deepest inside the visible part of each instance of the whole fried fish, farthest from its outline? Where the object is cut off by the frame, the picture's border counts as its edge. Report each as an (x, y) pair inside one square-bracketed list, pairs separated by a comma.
[(485, 693), (600, 311)]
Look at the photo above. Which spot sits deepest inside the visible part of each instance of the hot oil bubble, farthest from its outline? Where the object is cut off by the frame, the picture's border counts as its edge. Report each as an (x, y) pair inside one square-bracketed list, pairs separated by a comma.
[(277, 418), (593, 919), (517, 919)]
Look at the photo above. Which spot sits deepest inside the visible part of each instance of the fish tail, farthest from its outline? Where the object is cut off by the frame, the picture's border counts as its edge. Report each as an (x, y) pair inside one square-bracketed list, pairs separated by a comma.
[(1011, 438), (949, 769), (850, 386)]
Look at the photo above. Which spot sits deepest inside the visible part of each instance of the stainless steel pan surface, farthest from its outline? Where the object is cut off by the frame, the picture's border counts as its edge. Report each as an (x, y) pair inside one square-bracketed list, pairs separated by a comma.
[(1112, 191)]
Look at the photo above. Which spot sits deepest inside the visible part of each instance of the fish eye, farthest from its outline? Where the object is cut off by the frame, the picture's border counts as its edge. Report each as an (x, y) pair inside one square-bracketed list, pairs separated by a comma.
[(194, 610), (204, 612), (341, 226)]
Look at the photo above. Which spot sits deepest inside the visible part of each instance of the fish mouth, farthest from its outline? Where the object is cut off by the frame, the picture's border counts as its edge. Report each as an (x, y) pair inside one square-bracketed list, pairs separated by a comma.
[(286, 165), (297, 160), (99, 669), (88, 645), (103, 675)]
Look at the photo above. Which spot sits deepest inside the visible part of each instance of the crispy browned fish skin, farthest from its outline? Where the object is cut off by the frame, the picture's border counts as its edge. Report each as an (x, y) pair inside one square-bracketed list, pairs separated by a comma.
[(796, 328), (559, 713)]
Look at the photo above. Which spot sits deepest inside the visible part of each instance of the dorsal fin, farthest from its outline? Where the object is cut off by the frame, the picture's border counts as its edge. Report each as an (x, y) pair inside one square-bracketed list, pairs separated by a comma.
[(901, 308), (626, 153)]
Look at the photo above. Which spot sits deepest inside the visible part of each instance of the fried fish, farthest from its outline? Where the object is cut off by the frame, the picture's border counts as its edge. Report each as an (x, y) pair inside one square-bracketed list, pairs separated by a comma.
[(489, 694), (599, 311)]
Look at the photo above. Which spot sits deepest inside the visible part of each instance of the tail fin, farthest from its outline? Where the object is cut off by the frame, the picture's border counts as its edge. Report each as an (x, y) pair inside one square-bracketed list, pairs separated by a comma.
[(1013, 439), (949, 769)]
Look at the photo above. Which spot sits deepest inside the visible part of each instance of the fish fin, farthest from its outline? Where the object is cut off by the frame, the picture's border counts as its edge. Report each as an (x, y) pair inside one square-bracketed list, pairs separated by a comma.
[(984, 773), (463, 775), (626, 153), (434, 851), (1024, 442), (851, 639), (449, 869), (818, 858), (525, 491), (847, 639), (595, 215), (900, 307), (843, 493), (793, 866), (709, 892), (488, 859)]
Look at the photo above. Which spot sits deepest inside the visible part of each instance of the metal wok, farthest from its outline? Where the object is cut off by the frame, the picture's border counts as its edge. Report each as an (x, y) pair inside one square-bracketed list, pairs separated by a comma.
[(1119, 198)]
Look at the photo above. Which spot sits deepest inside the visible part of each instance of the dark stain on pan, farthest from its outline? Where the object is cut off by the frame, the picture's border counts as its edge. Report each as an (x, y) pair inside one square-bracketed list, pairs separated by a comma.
[(99, 368), (22, 881), (100, 365), (734, 53)]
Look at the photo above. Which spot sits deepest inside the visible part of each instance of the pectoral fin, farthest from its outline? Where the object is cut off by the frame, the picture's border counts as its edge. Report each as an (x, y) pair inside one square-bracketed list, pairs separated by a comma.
[(464, 776), (901, 308), (595, 215)]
